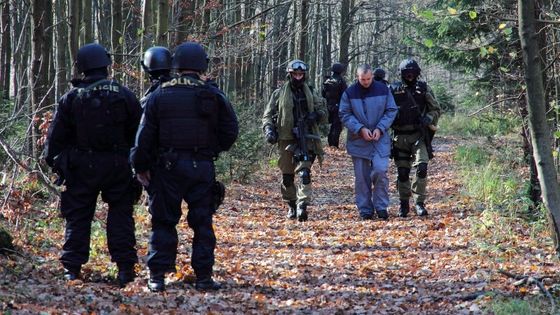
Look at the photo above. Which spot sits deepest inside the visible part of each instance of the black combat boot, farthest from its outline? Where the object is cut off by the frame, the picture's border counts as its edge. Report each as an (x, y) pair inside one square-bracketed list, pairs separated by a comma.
[(292, 209), (404, 209), (206, 283), (126, 274), (71, 272), (382, 214), (302, 212), (421, 209), (157, 281)]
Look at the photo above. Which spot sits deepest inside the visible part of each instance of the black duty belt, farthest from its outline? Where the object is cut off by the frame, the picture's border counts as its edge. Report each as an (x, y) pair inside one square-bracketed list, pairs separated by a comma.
[(187, 154), (125, 151), (405, 132)]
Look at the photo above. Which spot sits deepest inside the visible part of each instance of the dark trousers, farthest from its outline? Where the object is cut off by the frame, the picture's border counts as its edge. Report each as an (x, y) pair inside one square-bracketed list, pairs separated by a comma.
[(336, 128), (191, 181), (91, 174)]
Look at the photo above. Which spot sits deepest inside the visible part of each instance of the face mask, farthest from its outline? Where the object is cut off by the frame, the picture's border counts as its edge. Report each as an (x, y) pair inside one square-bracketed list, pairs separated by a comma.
[(297, 83)]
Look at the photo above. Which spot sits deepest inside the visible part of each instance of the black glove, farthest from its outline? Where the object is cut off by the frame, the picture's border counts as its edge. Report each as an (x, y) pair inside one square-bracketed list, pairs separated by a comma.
[(270, 134), (425, 121), (312, 117)]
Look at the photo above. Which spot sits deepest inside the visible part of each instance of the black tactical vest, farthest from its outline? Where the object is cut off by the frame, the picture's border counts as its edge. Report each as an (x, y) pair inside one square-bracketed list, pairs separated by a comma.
[(100, 115), (409, 111), (332, 90), (188, 115)]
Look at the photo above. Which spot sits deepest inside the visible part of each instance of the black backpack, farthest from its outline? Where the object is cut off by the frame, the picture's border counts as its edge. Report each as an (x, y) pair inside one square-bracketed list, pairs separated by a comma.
[(332, 92)]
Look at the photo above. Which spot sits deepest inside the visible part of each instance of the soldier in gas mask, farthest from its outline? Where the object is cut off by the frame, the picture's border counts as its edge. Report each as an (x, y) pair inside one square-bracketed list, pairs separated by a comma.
[(291, 120)]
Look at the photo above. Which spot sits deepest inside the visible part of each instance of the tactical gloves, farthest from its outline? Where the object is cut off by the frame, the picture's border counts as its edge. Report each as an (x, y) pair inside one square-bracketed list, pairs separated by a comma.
[(425, 120), (312, 117), (270, 134)]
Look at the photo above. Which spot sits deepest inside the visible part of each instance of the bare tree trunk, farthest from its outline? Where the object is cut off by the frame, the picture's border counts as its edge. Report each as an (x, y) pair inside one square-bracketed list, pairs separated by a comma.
[(61, 50), (20, 13), (38, 76), (326, 29), (162, 25), (345, 31), (147, 37), (73, 38), (303, 30), (5, 51), (540, 132), (87, 21), (184, 9), (117, 38)]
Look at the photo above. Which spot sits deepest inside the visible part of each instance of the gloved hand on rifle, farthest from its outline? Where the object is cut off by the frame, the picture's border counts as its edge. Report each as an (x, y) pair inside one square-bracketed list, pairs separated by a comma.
[(270, 134), (312, 117), (425, 120)]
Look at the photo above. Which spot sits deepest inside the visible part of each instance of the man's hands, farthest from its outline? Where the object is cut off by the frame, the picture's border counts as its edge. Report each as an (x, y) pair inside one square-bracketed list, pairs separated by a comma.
[(369, 135), (144, 178), (270, 134)]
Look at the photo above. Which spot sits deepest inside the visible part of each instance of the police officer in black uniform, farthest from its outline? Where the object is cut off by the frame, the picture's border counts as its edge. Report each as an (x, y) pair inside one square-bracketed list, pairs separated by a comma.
[(379, 75), (157, 63), (88, 143), (186, 124), (333, 87)]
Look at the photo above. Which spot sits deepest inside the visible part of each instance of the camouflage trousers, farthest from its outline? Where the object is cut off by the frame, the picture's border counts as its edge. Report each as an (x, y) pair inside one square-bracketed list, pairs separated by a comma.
[(409, 150), (293, 190)]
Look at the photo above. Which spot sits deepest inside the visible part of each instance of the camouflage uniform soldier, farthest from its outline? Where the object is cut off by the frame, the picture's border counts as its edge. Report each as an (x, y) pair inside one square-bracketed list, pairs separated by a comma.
[(289, 106), (413, 130)]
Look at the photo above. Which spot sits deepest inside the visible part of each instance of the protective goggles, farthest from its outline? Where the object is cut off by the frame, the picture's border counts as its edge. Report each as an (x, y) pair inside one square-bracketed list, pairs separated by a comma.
[(298, 65)]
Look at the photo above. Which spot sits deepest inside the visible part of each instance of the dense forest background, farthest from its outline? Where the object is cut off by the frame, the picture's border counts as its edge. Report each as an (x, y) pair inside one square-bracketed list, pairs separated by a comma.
[(471, 53)]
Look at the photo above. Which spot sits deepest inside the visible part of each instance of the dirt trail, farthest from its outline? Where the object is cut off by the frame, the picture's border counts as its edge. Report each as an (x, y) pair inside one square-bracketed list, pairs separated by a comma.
[(334, 263)]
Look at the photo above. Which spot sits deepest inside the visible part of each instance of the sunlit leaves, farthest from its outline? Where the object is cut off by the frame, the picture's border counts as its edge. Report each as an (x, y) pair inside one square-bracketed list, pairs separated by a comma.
[(428, 43), (452, 11), (427, 14)]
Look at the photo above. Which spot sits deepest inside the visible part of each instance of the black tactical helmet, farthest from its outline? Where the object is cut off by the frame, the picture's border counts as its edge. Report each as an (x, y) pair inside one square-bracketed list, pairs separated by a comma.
[(92, 56), (190, 56), (338, 68), (409, 64), (378, 74), (296, 64), (156, 58)]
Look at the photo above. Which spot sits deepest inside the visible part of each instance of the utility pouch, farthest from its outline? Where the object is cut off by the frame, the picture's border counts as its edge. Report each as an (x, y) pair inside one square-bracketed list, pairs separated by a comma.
[(61, 167), (208, 103), (219, 192)]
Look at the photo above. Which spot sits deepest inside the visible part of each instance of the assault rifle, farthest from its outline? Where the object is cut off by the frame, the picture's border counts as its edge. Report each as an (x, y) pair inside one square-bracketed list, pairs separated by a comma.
[(426, 132), (301, 151)]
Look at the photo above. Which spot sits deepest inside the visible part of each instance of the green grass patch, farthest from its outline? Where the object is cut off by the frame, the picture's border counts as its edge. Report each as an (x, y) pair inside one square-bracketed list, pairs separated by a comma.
[(460, 124), (489, 179), (531, 305)]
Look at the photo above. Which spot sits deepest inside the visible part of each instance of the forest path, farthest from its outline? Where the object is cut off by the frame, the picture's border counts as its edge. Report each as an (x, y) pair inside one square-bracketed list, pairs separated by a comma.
[(333, 263)]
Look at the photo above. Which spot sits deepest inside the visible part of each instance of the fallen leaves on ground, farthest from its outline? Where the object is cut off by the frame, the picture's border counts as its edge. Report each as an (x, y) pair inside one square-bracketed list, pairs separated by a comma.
[(334, 263)]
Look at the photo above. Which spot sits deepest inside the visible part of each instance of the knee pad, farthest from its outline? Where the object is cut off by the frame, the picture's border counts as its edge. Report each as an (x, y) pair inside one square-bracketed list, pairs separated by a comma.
[(305, 175), (422, 170), (288, 180), (403, 174)]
